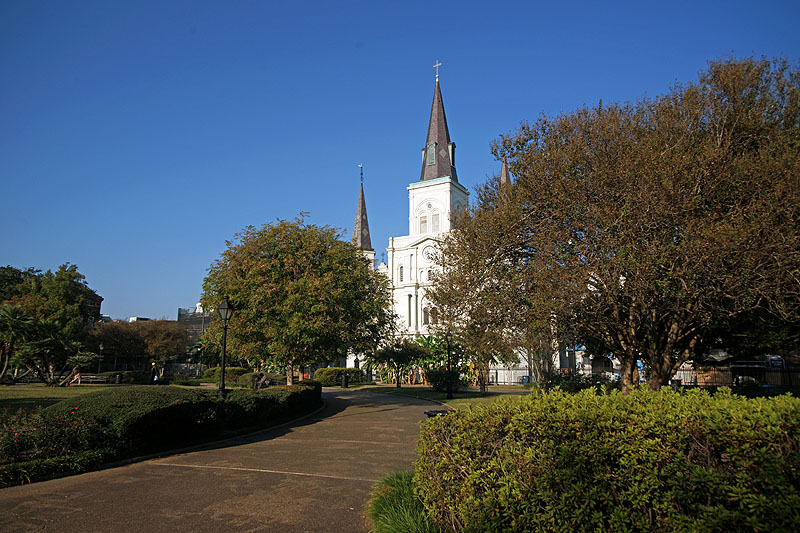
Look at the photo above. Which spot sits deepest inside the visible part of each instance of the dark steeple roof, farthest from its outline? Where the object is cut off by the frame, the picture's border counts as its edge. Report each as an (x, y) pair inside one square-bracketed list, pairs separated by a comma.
[(361, 225), (505, 179), (438, 155)]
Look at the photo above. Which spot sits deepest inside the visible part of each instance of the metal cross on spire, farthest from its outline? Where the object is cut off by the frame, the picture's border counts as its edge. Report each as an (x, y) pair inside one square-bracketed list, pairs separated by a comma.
[(436, 66), (361, 167)]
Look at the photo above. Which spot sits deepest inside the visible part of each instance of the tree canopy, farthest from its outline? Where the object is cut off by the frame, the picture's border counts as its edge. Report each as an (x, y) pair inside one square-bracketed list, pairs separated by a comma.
[(45, 319), (641, 228), (301, 295)]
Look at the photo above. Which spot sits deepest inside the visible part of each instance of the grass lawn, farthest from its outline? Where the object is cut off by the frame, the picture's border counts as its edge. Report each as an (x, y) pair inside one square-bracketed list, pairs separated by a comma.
[(460, 399), (30, 396)]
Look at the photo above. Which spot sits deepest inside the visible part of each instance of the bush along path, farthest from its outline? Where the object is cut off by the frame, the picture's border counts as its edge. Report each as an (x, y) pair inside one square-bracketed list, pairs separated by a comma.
[(83, 433), (648, 461)]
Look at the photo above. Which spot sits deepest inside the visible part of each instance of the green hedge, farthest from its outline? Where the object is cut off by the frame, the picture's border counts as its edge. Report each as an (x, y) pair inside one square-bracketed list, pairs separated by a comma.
[(130, 421), (661, 461), (232, 373), (246, 380), (438, 379), (332, 377)]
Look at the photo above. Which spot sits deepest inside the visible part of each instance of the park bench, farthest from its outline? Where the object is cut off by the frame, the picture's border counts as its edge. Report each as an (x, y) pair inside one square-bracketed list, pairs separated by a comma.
[(94, 379)]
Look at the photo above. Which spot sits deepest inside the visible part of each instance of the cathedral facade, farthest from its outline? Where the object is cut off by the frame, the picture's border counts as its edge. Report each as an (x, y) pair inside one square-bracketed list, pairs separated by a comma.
[(410, 259)]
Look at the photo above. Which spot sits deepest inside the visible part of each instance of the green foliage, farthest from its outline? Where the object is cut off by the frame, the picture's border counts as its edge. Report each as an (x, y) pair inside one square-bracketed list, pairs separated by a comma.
[(301, 296), (400, 356), (332, 377), (146, 418), (394, 508), (135, 378), (439, 378), (27, 436), (575, 382), (39, 469), (232, 373), (82, 432), (648, 461)]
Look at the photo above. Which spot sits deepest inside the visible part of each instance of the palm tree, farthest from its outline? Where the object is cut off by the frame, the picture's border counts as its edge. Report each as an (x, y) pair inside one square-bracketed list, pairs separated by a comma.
[(15, 327)]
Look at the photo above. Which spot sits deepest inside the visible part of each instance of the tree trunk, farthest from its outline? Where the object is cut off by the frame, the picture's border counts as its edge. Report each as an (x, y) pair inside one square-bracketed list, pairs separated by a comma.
[(300, 374), (290, 374), (397, 375), (630, 374)]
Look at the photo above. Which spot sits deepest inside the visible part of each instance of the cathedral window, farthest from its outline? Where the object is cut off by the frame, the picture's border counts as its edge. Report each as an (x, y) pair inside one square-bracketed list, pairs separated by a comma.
[(425, 316), (435, 223), (432, 154), (400, 273), (423, 224), (434, 316)]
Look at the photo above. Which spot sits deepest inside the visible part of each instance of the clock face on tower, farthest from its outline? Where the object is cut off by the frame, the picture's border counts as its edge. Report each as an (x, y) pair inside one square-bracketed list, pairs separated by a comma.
[(428, 253)]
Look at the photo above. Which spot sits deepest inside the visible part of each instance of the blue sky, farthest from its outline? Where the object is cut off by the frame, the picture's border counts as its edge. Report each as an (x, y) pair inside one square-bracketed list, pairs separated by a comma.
[(136, 137)]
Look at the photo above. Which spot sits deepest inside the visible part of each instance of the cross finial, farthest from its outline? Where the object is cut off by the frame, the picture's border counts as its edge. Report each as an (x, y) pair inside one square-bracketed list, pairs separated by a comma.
[(361, 167), (436, 66)]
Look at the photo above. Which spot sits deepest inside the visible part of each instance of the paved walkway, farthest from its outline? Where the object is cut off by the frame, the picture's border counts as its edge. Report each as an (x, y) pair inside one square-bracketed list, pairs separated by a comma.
[(315, 475)]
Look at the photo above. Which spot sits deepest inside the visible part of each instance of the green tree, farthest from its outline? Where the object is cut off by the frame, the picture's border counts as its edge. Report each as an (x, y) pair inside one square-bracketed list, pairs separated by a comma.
[(16, 328), (477, 291), (301, 296), (164, 340), (122, 341), (47, 353), (400, 355), (648, 224)]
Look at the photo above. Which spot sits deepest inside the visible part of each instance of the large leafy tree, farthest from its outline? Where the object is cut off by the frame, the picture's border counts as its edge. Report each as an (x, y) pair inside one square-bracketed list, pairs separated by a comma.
[(479, 292), (57, 306), (301, 294), (164, 340), (647, 225)]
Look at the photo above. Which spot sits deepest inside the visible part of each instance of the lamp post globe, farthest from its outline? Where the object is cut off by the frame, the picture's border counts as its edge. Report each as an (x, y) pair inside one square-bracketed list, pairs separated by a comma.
[(225, 311)]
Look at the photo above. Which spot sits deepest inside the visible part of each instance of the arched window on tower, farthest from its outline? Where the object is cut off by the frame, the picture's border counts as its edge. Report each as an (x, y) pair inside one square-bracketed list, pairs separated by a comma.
[(400, 273), (425, 316), (435, 222), (423, 224)]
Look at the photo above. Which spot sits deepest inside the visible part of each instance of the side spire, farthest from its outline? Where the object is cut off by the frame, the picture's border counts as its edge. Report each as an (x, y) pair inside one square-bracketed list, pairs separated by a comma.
[(361, 237), (438, 155), (505, 178)]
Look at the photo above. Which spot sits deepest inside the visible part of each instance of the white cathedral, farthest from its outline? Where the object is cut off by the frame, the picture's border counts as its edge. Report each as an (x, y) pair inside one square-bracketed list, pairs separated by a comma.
[(409, 259)]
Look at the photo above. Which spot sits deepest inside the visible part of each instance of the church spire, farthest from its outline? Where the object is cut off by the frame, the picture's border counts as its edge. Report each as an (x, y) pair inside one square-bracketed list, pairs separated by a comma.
[(438, 155), (505, 178), (361, 237)]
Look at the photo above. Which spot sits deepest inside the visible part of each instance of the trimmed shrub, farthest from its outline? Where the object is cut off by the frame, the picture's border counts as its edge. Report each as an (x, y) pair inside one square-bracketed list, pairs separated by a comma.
[(332, 377), (438, 379), (140, 419), (83, 432), (135, 378), (648, 461), (232, 373), (246, 380)]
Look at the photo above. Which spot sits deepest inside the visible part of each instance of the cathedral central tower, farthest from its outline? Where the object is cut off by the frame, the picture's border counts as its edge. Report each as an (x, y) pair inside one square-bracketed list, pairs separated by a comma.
[(432, 201)]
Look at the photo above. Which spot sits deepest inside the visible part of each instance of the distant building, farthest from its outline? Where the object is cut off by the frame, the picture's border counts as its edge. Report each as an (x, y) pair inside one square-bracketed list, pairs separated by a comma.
[(91, 308), (137, 319), (196, 320)]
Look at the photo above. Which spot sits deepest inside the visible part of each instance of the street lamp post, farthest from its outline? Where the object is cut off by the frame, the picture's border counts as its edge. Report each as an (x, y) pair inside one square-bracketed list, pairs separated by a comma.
[(449, 337), (225, 311)]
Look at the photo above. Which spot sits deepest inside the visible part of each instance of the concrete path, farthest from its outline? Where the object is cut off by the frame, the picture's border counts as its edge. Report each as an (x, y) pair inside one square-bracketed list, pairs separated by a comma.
[(314, 475)]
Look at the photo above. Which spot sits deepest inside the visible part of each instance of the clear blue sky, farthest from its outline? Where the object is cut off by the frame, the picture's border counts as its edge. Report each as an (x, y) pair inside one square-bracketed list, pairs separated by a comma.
[(136, 137)]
